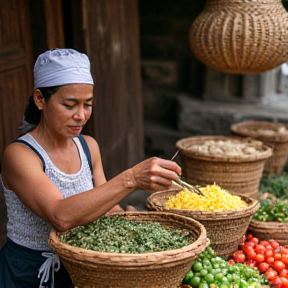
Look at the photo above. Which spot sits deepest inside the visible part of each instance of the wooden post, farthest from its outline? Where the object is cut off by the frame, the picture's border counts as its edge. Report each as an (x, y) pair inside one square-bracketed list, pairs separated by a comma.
[(111, 36)]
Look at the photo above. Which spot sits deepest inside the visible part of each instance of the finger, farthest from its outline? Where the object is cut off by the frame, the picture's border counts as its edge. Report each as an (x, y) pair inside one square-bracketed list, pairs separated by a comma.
[(171, 165), (159, 183)]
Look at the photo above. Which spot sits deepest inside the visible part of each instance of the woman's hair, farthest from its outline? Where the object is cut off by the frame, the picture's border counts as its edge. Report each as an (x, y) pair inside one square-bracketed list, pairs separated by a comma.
[(32, 114)]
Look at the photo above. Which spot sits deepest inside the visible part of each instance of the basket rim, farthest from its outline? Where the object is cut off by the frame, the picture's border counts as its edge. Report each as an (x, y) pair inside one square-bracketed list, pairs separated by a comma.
[(268, 224), (207, 215), (182, 145), (237, 128), (129, 259)]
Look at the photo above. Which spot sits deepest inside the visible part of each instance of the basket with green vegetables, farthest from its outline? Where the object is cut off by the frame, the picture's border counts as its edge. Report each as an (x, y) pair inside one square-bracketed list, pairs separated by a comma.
[(271, 220), (272, 209)]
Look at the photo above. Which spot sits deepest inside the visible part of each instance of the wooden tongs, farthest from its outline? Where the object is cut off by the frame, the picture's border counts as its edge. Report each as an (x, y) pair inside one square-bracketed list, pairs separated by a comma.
[(184, 184)]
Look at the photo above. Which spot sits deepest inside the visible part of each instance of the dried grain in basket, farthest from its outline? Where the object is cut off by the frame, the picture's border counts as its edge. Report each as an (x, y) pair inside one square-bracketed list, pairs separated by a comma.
[(165, 269), (225, 229), (240, 174), (274, 135)]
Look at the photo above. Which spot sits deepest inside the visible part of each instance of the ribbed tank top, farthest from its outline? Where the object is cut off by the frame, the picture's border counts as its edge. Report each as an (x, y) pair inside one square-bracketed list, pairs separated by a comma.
[(25, 227)]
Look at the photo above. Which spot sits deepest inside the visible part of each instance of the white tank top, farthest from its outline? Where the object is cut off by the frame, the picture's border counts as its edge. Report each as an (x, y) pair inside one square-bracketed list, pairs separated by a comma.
[(26, 228)]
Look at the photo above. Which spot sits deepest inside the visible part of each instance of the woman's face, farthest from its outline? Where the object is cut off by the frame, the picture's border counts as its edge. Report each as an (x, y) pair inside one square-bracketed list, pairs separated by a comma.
[(68, 110)]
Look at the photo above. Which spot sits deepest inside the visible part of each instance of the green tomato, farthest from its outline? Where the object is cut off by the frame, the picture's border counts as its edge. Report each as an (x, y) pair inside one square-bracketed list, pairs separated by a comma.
[(236, 278), (195, 281), (203, 284), (187, 278), (229, 278), (209, 278), (197, 266), (219, 276), (224, 285), (203, 272), (243, 284), (224, 280)]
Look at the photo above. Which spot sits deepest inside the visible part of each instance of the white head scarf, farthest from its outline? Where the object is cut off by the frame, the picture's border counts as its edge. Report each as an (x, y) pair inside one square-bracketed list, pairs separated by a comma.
[(60, 67)]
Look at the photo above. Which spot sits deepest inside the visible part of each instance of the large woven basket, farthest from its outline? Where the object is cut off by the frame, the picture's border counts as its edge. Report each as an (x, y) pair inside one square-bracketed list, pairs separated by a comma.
[(237, 174), (225, 229), (267, 132), (165, 269), (269, 230), (240, 36)]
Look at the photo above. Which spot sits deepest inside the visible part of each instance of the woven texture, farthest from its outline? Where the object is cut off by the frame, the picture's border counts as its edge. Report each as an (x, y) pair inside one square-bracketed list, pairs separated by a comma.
[(241, 36), (225, 229), (165, 269), (237, 174), (269, 230), (277, 140)]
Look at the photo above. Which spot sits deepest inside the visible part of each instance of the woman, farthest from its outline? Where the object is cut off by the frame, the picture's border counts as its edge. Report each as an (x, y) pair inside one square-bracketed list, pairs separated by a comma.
[(52, 179)]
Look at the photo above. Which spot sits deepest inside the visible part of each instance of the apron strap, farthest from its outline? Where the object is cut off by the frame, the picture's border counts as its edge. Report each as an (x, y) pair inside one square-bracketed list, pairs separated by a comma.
[(53, 262)]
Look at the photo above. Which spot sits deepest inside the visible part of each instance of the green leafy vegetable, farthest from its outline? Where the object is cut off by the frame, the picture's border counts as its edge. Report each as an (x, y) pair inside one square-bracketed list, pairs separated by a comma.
[(115, 234)]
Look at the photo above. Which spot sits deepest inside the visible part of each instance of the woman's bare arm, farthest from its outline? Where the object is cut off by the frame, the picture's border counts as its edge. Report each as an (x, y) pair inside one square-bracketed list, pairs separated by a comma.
[(23, 174)]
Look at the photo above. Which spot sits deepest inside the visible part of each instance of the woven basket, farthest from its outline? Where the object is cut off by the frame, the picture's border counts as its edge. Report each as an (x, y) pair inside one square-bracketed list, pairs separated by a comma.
[(278, 141), (165, 269), (237, 174), (241, 36), (269, 230), (225, 229)]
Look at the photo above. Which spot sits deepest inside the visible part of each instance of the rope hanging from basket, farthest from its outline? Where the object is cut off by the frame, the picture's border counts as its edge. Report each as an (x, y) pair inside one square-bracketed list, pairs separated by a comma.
[(241, 36)]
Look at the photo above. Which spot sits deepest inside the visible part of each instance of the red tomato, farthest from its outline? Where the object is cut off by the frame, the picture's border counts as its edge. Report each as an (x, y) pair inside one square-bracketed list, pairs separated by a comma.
[(260, 249), (246, 249), (278, 265), (264, 243), (251, 254), (270, 260), (239, 258), (259, 258), (284, 273), (262, 267), (251, 263), (231, 261), (249, 236), (277, 256), (237, 252), (255, 240), (284, 282), (268, 253), (284, 250), (284, 259), (250, 243), (271, 274), (276, 282), (274, 244), (269, 247)]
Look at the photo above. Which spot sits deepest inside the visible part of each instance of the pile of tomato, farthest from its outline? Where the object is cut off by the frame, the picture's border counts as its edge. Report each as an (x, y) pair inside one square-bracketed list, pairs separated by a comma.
[(268, 256)]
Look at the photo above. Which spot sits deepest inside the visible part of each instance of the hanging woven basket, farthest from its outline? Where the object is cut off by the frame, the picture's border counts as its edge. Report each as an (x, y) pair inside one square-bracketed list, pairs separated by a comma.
[(241, 36)]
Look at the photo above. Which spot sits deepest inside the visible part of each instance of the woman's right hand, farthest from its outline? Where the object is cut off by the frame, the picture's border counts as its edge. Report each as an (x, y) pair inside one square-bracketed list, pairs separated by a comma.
[(155, 174)]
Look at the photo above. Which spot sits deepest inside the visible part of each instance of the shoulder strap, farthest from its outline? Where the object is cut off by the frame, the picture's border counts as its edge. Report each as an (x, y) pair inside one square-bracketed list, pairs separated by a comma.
[(32, 148), (86, 151)]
